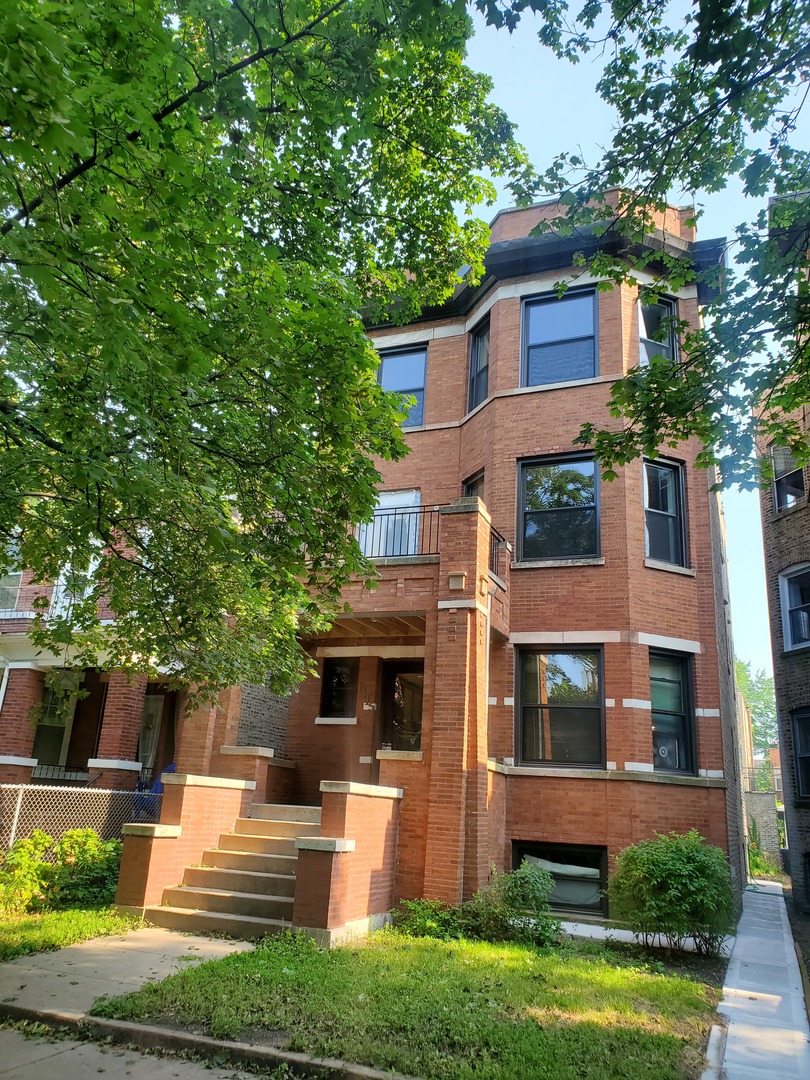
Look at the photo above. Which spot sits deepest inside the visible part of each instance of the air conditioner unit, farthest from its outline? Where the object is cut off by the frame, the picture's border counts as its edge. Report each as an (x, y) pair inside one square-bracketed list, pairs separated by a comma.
[(666, 750)]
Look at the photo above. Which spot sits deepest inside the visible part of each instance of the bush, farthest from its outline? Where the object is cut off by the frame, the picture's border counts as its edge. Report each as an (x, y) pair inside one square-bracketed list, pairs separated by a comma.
[(23, 873), (83, 872), (510, 907), (677, 887), (761, 863), (428, 918)]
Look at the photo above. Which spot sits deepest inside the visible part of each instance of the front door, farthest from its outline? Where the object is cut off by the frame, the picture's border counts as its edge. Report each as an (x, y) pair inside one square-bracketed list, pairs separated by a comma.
[(402, 692)]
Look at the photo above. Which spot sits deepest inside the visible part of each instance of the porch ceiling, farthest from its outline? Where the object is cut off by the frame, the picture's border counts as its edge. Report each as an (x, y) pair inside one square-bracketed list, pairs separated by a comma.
[(379, 626)]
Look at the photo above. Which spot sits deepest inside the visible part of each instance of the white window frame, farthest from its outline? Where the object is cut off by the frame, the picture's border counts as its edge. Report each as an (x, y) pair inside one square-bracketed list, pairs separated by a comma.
[(785, 578), (671, 345)]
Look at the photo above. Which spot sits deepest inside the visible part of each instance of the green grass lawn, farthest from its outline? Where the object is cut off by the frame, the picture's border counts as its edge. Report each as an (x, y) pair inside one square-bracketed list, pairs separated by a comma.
[(438, 1009), (24, 934)]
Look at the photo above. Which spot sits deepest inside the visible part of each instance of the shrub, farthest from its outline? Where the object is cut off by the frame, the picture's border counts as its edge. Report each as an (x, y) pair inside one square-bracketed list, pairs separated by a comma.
[(761, 863), (675, 886), (85, 873), (82, 872), (510, 907), (428, 918), (23, 874)]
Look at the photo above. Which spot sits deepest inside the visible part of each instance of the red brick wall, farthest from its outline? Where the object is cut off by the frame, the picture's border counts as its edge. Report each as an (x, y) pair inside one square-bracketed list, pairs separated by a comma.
[(17, 729), (335, 888)]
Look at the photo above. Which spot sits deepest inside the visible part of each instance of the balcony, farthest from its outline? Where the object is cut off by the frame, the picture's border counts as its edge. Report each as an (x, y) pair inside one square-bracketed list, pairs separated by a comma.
[(405, 532)]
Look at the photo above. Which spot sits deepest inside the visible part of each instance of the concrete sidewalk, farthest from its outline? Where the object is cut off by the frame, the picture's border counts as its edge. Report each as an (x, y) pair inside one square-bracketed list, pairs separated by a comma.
[(763, 999), (23, 1058), (69, 980)]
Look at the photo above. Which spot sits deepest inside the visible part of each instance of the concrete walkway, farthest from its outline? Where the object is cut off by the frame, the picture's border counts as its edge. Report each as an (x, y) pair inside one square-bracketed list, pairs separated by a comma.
[(69, 980), (763, 1000)]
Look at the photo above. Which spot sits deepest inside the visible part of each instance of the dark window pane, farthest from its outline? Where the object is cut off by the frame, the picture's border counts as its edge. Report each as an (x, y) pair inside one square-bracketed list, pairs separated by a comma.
[(560, 534), (578, 873), (557, 320), (575, 735), (561, 362), (663, 538), (404, 372), (416, 413), (669, 749), (671, 715), (800, 625), (406, 715), (663, 516), (474, 486), (803, 775), (48, 744), (339, 689), (789, 490), (803, 734)]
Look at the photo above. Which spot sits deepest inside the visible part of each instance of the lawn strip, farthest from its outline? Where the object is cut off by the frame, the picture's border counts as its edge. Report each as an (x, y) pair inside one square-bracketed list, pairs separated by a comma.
[(444, 1010), (21, 935)]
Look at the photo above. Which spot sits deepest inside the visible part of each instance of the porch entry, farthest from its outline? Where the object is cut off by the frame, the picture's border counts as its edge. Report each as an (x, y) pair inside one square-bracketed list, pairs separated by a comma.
[(402, 693)]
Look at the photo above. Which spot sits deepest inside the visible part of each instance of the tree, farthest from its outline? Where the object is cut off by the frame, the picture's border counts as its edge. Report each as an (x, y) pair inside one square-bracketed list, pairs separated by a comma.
[(758, 691), (197, 198), (704, 93)]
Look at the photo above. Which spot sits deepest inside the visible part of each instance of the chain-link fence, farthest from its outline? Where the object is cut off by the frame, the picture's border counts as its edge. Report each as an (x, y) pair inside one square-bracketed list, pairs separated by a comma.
[(26, 807)]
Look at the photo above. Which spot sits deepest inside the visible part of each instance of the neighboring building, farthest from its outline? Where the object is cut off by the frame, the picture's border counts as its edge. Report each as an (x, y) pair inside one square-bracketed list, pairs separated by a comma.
[(115, 733), (544, 668), (786, 535)]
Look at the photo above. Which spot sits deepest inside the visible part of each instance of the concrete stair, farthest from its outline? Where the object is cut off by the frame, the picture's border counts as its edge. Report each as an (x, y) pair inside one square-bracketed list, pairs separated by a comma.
[(246, 885)]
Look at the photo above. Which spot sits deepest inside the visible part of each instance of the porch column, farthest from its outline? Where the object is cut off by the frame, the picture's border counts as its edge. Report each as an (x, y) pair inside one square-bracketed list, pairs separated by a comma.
[(457, 855), (23, 690), (116, 762)]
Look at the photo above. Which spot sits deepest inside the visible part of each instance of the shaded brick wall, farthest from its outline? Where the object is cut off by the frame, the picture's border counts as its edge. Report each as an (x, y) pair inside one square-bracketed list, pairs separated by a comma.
[(263, 718), (786, 537), (760, 809)]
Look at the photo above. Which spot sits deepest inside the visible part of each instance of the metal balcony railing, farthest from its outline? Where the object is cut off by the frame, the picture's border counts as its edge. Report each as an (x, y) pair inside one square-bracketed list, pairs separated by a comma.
[(495, 542), (401, 532)]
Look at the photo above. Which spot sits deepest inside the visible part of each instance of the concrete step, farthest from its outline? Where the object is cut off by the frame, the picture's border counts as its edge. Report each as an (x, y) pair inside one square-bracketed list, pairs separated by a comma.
[(263, 827), (250, 861), (192, 921), (242, 881), (252, 904), (261, 845), (280, 812)]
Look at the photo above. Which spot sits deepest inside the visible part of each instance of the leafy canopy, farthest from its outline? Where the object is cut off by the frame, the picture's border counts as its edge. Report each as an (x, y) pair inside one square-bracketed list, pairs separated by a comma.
[(758, 690), (705, 94), (197, 196)]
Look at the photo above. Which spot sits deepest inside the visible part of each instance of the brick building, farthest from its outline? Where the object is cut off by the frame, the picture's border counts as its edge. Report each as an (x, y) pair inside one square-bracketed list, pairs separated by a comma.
[(544, 667), (786, 535)]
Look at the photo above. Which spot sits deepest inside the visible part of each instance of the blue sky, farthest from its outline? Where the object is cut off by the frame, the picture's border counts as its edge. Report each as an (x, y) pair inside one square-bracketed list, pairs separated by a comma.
[(556, 108)]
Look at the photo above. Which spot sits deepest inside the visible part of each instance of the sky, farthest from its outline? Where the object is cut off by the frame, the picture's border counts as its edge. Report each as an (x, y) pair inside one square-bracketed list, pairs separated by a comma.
[(556, 108)]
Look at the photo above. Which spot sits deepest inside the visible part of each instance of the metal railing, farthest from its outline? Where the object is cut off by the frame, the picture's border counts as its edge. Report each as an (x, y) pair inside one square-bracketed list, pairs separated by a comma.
[(401, 532), (60, 772), (761, 778), (495, 542), (55, 810)]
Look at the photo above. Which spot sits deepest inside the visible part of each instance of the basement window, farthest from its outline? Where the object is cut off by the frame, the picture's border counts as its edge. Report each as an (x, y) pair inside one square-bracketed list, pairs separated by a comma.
[(579, 873)]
